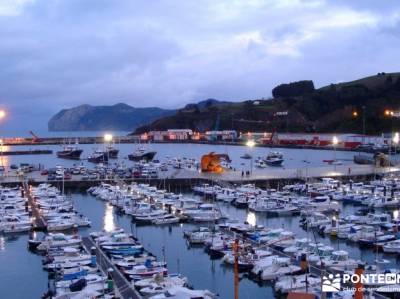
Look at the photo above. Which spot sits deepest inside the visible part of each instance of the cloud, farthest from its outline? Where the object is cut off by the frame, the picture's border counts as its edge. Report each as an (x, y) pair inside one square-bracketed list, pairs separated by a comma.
[(60, 53)]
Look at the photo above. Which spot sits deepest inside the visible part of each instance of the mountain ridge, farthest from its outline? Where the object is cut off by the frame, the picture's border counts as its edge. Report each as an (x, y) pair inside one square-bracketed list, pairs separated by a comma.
[(330, 108), (120, 116)]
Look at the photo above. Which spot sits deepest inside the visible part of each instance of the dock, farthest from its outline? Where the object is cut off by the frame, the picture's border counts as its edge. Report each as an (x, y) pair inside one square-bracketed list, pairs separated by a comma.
[(125, 289), (26, 152), (186, 179), (39, 223)]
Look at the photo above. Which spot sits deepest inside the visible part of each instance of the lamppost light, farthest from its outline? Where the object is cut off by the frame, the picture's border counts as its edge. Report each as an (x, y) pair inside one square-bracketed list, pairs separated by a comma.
[(335, 140), (396, 138), (108, 137), (250, 143)]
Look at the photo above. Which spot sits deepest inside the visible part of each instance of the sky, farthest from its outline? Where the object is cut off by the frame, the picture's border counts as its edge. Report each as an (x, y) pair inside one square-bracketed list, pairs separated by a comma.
[(57, 54)]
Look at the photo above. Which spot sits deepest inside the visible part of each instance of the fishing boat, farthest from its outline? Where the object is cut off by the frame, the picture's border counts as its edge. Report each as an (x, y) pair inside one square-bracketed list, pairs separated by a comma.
[(98, 156), (70, 152), (111, 151), (142, 154)]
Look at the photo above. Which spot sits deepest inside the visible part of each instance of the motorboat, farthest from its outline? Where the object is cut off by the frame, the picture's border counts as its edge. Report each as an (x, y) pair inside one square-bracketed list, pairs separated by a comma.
[(280, 266), (391, 247), (274, 159)]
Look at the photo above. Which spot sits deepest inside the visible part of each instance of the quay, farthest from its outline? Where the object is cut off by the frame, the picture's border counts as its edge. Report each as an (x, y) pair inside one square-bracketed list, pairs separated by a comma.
[(125, 288), (132, 139), (39, 223), (27, 152), (183, 178)]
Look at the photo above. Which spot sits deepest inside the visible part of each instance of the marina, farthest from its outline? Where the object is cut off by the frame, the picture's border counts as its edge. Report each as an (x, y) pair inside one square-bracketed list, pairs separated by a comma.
[(199, 149), (205, 212)]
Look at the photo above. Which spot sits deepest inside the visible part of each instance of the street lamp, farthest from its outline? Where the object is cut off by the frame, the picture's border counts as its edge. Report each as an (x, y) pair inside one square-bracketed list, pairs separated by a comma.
[(2, 114), (396, 139), (108, 137), (251, 143)]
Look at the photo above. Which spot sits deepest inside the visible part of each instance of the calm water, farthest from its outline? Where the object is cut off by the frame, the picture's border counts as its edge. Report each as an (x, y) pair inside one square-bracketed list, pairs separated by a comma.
[(21, 275), (294, 158)]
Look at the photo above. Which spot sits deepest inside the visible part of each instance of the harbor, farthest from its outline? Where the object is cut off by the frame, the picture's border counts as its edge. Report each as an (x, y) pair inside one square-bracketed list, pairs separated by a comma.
[(152, 201), (199, 149)]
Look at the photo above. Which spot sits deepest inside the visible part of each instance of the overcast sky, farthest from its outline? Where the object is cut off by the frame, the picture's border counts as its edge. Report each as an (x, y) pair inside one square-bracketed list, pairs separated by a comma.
[(57, 54)]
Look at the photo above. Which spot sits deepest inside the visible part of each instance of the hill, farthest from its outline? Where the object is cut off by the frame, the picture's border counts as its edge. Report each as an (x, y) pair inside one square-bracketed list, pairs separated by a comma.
[(327, 109), (120, 117)]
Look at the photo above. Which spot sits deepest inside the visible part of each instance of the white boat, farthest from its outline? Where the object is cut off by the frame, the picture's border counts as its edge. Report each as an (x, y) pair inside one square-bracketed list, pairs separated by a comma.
[(286, 284), (178, 292), (392, 247), (167, 219), (280, 266), (339, 261), (59, 240)]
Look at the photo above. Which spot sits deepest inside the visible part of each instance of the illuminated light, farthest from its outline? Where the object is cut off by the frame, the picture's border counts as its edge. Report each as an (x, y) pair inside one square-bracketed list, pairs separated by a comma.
[(109, 223), (335, 140), (396, 138), (251, 218), (250, 143), (108, 137), (395, 214), (355, 113), (389, 112), (2, 114)]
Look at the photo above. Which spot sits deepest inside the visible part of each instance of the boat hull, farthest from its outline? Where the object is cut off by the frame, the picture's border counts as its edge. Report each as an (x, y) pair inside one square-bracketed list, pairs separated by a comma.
[(148, 156), (72, 155)]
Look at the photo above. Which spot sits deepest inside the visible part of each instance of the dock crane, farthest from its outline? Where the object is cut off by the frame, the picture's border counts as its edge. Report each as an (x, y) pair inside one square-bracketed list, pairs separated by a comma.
[(35, 138)]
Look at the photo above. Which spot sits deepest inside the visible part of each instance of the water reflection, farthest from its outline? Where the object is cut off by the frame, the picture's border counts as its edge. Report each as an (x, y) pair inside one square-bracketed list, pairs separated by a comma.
[(109, 221), (395, 214), (4, 161), (251, 218), (2, 243)]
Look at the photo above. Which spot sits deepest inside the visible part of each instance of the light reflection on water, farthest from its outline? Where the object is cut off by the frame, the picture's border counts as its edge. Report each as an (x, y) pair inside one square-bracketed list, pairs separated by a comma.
[(109, 221), (395, 214), (251, 218), (2, 243)]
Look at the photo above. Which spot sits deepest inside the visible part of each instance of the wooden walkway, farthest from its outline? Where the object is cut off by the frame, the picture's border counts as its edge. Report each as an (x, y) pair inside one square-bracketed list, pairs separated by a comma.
[(39, 223), (123, 286)]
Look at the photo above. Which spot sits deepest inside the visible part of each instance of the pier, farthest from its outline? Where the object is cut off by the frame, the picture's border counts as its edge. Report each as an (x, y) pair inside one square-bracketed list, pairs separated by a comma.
[(183, 178), (123, 286), (39, 223), (27, 152)]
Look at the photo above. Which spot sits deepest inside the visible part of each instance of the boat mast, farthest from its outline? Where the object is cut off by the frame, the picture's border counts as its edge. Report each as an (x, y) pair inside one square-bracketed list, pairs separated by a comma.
[(236, 267)]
